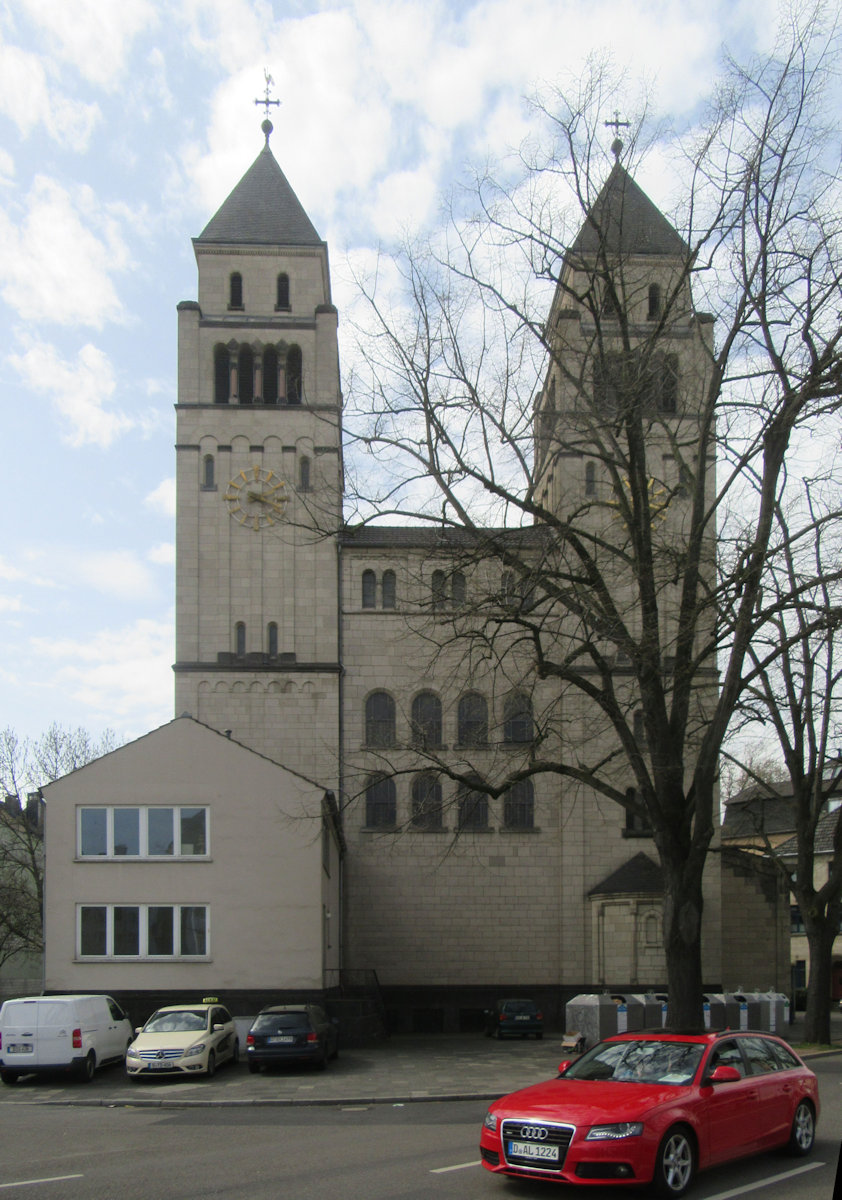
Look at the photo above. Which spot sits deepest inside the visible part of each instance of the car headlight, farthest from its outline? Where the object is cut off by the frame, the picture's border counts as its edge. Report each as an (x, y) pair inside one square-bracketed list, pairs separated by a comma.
[(132, 1053), (490, 1121), (611, 1133), (199, 1048)]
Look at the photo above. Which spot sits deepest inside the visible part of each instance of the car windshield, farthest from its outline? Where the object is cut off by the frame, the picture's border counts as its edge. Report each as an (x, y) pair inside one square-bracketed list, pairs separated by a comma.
[(274, 1022), (640, 1061), (519, 1007), (185, 1020)]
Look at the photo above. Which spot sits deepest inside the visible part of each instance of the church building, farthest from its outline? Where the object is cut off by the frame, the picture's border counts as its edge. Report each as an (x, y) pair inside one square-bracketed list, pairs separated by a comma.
[(313, 644)]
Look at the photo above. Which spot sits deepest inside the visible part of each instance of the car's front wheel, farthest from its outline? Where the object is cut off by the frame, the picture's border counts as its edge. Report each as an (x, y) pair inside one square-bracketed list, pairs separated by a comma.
[(9, 1077), (675, 1165), (211, 1067), (803, 1132)]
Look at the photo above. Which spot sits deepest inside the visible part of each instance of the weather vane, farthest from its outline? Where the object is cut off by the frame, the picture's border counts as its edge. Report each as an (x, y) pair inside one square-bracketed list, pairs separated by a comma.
[(616, 124), (266, 102)]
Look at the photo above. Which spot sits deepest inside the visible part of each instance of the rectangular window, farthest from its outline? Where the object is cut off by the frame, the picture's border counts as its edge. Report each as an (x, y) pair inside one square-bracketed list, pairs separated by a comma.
[(142, 930), (92, 929), (110, 832)]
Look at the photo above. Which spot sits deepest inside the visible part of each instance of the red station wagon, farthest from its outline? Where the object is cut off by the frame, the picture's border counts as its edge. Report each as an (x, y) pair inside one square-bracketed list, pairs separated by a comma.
[(655, 1107)]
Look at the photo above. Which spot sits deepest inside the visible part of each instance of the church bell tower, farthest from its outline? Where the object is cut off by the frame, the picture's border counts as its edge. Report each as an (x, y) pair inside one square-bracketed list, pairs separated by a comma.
[(259, 480)]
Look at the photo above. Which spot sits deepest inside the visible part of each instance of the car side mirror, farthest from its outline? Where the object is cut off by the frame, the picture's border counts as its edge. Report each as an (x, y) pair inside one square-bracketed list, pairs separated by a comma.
[(563, 1065), (217, 1028), (724, 1074), (138, 1029)]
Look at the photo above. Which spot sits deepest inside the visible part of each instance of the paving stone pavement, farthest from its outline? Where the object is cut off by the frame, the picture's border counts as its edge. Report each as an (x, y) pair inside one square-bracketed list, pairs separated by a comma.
[(398, 1070)]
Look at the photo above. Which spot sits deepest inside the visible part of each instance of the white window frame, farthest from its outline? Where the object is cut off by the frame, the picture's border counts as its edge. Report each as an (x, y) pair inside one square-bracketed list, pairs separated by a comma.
[(143, 811), (143, 933)]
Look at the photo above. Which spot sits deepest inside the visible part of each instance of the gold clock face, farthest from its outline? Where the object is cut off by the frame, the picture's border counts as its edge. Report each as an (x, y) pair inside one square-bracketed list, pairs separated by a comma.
[(256, 497)]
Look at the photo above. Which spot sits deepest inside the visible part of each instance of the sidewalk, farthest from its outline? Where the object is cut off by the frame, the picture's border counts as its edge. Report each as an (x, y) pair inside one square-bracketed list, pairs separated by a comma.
[(399, 1070)]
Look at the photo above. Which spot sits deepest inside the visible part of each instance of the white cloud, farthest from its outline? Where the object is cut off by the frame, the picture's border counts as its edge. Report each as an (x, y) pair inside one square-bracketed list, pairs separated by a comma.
[(163, 554), (58, 262), (94, 36), (12, 604), (118, 574), (120, 677), (79, 390), (29, 98), (162, 498)]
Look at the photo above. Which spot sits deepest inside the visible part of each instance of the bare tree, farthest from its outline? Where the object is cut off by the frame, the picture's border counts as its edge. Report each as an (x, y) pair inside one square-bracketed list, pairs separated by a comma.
[(795, 691), (656, 422), (26, 765)]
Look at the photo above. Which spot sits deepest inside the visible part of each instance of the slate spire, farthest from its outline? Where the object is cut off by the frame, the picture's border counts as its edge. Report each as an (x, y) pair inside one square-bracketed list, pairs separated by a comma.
[(262, 210)]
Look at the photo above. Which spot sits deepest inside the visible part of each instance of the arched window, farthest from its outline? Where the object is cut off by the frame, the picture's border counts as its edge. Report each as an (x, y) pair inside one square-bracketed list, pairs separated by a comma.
[(208, 477), (426, 720), (637, 823), (439, 591), (668, 384), (472, 809), (458, 590), (654, 301), (426, 801), (282, 301), (369, 589), (221, 375), (272, 639), (517, 718), (235, 290), (246, 364), (380, 720), (519, 806), (380, 806), (508, 594), (240, 639), (295, 385), (389, 589), (472, 720), (304, 475), (590, 479), (270, 375)]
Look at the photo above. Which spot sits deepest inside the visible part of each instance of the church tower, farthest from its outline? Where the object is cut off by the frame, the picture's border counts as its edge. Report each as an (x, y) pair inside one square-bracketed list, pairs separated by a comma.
[(259, 480)]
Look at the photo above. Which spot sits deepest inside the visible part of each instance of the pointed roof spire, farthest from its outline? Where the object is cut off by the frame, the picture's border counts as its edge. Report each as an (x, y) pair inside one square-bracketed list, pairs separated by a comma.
[(623, 220), (262, 210)]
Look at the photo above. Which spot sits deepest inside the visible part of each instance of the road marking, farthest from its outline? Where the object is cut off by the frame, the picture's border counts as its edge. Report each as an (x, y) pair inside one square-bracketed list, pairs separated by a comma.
[(762, 1183), (458, 1167), (50, 1179)]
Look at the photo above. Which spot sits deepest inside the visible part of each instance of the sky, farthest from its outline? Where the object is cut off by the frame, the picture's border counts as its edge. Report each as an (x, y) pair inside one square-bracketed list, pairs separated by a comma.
[(123, 127)]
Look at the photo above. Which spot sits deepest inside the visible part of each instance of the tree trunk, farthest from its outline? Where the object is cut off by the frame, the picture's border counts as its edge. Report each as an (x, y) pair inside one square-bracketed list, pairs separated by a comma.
[(683, 906), (821, 934)]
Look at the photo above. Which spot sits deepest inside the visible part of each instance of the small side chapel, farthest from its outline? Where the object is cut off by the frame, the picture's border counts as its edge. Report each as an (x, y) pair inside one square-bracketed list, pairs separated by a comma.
[(304, 643)]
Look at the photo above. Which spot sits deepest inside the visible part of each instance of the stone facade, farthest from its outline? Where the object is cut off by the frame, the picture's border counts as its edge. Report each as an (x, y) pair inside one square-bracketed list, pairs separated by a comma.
[(318, 645)]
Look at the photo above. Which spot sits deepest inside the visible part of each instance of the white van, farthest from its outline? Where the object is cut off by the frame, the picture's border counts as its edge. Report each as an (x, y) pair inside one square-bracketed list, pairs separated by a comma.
[(61, 1033)]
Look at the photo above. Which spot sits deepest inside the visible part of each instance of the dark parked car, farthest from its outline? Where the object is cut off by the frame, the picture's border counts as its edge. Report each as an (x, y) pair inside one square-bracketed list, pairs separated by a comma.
[(517, 1018), (291, 1033)]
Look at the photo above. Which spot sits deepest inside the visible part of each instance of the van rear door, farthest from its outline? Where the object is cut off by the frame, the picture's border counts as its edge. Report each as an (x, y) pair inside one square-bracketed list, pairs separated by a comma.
[(20, 1035)]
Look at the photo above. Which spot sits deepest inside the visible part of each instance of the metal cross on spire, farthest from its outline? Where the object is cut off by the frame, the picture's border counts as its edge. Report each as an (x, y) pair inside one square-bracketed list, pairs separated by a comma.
[(616, 124), (267, 103)]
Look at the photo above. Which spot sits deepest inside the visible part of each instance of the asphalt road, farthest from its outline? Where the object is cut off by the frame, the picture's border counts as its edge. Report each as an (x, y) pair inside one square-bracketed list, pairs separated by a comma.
[(412, 1151)]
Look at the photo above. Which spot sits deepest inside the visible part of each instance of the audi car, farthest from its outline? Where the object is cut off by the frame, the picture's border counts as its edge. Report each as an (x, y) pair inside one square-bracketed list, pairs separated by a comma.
[(291, 1033), (653, 1108), (184, 1039)]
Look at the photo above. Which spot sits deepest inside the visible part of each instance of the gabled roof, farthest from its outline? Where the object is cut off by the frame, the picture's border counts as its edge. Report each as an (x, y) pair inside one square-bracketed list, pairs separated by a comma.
[(262, 210), (623, 220), (823, 842), (639, 875)]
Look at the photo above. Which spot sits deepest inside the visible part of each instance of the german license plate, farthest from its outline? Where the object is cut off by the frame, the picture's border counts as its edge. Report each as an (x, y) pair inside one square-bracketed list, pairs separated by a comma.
[(278, 1040), (20, 1048), (158, 1064), (521, 1018), (533, 1150)]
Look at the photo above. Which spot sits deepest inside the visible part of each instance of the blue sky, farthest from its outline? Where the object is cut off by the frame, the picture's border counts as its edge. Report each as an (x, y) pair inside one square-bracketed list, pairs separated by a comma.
[(122, 129)]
